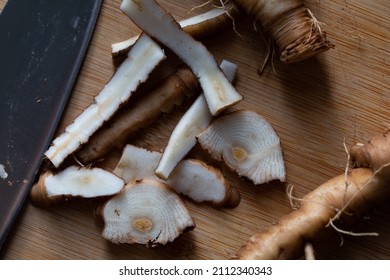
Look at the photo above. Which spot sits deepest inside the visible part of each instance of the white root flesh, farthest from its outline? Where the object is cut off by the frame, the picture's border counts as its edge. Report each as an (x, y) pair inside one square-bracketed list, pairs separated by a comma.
[(146, 212), (119, 47), (193, 122), (142, 59), (74, 182), (248, 144), (192, 178), (156, 22)]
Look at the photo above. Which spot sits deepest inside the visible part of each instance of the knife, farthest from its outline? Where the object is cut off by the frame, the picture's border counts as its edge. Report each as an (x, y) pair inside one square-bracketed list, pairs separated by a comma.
[(42, 45)]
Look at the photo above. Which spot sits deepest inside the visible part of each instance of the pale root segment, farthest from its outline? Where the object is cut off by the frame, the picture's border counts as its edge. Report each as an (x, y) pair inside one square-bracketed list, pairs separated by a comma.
[(342, 197), (373, 154), (142, 59), (292, 26), (192, 178), (248, 144), (172, 91), (146, 212), (199, 27), (74, 182), (156, 22), (193, 122)]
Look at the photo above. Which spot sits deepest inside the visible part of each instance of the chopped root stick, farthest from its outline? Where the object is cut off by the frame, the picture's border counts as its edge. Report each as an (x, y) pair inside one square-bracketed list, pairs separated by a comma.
[(248, 144), (199, 27), (145, 212), (142, 59), (74, 182), (194, 121), (173, 90), (295, 30), (327, 203), (191, 178), (156, 22)]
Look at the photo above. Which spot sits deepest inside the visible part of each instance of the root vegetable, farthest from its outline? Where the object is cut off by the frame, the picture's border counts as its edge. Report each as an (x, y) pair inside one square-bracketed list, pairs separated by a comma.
[(373, 154), (172, 91), (156, 22), (145, 212), (292, 26), (248, 144), (199, 27), (142, 59), (342, 197), (74, 182), (192, 178), (194, 121)]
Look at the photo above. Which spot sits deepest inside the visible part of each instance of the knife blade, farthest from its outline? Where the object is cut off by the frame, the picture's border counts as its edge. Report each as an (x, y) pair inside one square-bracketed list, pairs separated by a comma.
[(42, 45)]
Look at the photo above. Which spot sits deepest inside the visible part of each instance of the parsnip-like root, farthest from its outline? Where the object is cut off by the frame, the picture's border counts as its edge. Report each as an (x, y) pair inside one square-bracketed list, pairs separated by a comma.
[(293, 27), (341, 197), (374, 154)]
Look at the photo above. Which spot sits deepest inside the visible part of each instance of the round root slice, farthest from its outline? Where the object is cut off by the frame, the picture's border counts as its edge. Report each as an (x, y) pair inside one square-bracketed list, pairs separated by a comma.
[(248, 144), (202, 182), (146, 212), (192, 178), (74, 182)]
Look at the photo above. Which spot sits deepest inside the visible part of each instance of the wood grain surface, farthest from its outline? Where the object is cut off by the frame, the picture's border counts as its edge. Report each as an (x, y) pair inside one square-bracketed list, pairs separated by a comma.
[(341, 96)]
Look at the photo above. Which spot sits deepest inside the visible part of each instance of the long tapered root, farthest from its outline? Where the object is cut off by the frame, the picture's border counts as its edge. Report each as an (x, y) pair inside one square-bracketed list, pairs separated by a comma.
[(287, 238)]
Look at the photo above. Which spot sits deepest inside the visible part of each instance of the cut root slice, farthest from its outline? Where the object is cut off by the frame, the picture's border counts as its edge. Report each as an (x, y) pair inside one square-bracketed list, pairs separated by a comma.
[(170, 92), (156, 22), (248, 144), (199, 26), (194, 121), (146, 212), (192, 178), (74, 182), (142, 59)]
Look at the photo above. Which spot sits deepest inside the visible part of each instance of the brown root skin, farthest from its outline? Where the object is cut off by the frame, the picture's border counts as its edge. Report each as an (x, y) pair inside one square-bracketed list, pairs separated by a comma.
[(293, 27), (172, 91), (287, 238), (38, 194), (373, 154)]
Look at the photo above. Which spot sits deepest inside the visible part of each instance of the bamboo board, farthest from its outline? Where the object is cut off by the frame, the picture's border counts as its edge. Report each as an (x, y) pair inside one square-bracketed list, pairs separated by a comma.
[(342, 96)]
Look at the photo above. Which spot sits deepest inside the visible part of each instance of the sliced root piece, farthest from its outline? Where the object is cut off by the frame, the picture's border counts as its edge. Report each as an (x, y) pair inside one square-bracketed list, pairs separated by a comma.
[(194, 121), (142, 59), (74, 182), (146, 212), (248, 144), (173, 90), (199, 27), (344, 198), (192, 178), (156, 22), (293, 27)]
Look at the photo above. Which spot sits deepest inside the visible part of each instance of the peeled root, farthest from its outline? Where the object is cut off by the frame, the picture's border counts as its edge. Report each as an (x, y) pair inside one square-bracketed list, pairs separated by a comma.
[(199, 27), (142, 59), (173, 90), (157, 23)]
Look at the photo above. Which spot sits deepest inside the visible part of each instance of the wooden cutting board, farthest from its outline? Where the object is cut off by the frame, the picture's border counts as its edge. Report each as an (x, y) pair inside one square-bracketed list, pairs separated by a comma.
[(342, 96)]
